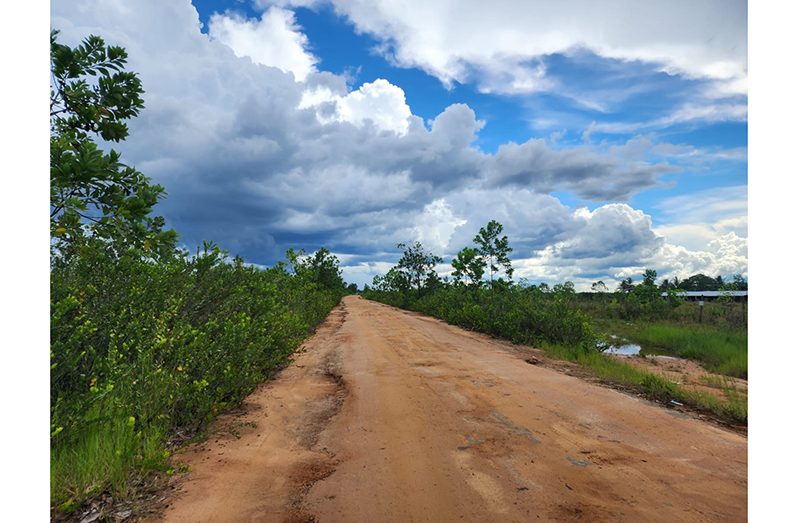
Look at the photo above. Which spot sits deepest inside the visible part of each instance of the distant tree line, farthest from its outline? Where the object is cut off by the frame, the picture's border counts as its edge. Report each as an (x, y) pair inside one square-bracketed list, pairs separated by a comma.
[(481, 294), (697, 282)]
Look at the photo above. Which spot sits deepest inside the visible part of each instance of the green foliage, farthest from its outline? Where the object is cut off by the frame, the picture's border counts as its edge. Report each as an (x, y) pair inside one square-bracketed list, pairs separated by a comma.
[(417, 266), (494, 250), (79, 107), (468, 264), (167, 345), (647, 293), (92, 193), (658, 388), (701, 282), (646, 301), (321, 268), (649, 277), (724, 351), (626, 286)]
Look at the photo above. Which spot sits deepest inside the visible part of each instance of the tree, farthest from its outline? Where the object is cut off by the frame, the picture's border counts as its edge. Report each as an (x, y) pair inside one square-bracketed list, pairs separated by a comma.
[(626, 286), (494, 250), (92, 193), (648, 292), (416, 264), (393, 281), (599, 286), (699, 282), (468, 264), (325, 269), (322, 267)]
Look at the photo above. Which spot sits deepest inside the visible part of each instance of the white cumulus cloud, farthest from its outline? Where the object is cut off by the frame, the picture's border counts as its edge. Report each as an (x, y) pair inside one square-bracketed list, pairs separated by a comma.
[(380, 102), (274, 40)]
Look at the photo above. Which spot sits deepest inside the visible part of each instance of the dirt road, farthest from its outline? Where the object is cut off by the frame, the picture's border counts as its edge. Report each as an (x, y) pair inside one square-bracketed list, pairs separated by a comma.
[(392, 416)]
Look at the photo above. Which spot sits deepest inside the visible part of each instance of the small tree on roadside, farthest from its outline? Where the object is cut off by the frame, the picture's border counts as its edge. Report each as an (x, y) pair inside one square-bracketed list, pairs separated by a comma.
[(392, 281), (326, 269), (494, 249), (322, 267), (468, 264), (416, 264)]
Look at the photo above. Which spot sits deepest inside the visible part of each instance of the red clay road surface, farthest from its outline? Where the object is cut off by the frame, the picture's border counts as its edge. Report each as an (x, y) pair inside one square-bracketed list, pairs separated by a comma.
[(392, 416)]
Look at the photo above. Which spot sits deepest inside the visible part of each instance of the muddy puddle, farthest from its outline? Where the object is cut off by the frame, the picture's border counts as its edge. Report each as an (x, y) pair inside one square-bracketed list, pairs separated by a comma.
[(624, 347), (627, 349)]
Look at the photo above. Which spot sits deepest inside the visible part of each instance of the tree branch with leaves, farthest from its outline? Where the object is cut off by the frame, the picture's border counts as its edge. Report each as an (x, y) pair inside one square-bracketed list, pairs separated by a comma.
[(92, 193)]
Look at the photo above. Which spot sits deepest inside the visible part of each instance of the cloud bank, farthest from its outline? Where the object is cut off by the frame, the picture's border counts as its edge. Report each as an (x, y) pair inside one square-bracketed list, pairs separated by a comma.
[(259, 150), (503, 46)]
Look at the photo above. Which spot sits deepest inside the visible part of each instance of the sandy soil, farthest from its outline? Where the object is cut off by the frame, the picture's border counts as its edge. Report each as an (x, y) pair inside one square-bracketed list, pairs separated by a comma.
[(392, 416)]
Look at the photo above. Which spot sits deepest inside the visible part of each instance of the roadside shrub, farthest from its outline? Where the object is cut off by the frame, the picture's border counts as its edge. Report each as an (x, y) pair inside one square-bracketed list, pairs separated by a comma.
[(141, 351)]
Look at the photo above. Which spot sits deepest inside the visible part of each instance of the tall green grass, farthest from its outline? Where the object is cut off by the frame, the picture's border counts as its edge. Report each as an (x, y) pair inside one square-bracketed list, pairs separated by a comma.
[(109, 450), (720, 350), (724, 351)]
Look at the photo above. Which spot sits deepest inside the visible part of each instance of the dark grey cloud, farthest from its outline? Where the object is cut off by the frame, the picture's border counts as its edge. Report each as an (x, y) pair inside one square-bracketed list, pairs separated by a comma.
[(610, 231), (588, 174)]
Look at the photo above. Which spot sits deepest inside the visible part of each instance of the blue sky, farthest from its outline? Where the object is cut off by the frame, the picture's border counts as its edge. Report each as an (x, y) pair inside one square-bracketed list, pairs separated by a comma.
[(607, 136)]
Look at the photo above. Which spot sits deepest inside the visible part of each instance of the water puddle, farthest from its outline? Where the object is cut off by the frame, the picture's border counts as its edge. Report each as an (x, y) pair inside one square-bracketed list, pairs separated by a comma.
[(624, 347), (628, 349)]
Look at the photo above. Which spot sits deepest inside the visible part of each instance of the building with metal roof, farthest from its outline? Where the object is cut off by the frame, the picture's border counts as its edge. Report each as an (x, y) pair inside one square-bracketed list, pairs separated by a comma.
[(699, 295)]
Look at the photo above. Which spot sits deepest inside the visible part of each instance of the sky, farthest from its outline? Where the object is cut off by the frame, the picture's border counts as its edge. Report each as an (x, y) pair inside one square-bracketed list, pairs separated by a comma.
[(606, 136)]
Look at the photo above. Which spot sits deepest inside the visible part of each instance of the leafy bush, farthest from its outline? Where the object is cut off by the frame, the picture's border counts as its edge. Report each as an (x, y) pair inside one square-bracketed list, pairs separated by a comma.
[(141, 350)]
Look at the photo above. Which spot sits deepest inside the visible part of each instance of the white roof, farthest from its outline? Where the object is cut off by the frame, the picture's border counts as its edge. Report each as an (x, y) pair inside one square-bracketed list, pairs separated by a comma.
[(708, 294)]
